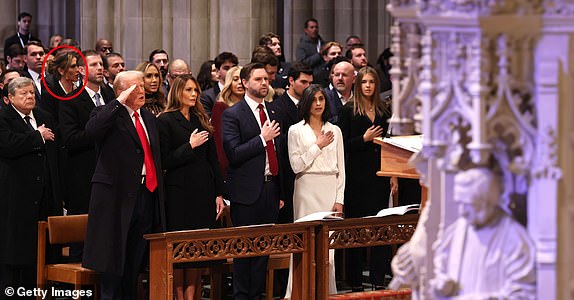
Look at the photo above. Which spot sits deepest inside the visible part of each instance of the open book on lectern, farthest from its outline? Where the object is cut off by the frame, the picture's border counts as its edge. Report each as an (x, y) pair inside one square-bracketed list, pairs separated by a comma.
[(399, 210)]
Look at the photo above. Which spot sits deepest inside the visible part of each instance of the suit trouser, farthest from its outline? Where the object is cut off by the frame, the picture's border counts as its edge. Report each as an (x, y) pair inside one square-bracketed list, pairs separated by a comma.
[(124, 287), (249, 273)]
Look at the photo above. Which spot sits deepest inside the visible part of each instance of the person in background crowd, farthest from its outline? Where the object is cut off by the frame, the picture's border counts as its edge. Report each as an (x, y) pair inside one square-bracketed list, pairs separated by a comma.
[(231, 94), (55, 41), (160, 59), (352, 40), (265, 56), (15, 57), (317, 157), (321, 74), (6, 77), (192, 173), (177, 68), (113, 64), (358, 56), (34, 60), (383, 68), (309, 47), (154, 97), (223, 62), (207, 75), (23, 36), (272, 41), (361, 121), (28, 182), (104, 47)]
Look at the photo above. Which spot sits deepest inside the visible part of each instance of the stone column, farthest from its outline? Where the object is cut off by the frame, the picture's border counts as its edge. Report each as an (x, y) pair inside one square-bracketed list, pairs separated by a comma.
[(8, 21)]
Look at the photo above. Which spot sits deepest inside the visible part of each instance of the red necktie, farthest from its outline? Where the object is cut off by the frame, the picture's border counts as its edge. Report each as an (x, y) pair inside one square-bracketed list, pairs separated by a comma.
[(150, 177), (273, 165)]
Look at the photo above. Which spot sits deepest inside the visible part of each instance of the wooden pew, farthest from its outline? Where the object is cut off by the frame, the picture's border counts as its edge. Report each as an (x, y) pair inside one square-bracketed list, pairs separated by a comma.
[(355, 233), (169, 248)]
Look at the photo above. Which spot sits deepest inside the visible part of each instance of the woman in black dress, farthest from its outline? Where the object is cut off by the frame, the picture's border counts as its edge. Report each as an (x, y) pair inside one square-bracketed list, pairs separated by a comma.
[(361, 121), (193, 179)]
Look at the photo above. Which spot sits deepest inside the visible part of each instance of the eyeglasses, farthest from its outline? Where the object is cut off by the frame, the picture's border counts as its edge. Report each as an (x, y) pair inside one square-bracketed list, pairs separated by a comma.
[(107, 49)]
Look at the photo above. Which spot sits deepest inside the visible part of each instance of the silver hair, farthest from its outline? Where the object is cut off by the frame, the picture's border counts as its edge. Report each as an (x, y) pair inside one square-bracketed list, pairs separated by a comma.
[(18, 83)]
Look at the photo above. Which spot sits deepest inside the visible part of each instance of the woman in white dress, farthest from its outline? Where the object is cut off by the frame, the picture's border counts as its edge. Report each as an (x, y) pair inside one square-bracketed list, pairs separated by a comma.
[(317, 157)]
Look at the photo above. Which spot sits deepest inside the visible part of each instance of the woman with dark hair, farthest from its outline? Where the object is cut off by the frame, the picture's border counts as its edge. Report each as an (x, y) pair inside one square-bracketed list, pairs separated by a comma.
[(317, 158), (207, 76), (361, 121), (63, 78), (154, 97), (193, 180)]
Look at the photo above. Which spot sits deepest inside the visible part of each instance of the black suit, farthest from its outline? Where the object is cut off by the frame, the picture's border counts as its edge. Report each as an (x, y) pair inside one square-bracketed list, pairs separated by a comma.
[(289, 116), (335, 104), (254, 200), (209, 97), (15, 39), (28, 192), (74, 114), (37, 93), (121, 208)]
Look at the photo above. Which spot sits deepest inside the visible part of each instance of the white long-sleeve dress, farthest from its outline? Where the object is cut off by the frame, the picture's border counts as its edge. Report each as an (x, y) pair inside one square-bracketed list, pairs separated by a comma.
[(320, 176)]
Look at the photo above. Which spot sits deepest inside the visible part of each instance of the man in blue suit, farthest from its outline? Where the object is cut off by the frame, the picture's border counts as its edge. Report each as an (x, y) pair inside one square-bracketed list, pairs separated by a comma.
[(250, 139)]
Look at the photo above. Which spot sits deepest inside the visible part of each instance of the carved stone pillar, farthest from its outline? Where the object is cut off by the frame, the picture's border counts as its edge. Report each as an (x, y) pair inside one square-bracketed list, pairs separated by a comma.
[(493, 82)]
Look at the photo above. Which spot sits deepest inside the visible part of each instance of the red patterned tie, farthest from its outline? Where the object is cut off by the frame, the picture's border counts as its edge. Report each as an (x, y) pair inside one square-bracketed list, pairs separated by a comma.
[(273, 166), (150, 177)]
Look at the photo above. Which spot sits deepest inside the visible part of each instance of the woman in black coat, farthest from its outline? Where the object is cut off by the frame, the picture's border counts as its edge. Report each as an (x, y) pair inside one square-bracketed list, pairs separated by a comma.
[(193, 179), (365, 193)]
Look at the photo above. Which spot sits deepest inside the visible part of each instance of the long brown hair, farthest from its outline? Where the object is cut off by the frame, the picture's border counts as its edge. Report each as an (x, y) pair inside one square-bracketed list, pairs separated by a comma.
[(360, 107), (174, 102)]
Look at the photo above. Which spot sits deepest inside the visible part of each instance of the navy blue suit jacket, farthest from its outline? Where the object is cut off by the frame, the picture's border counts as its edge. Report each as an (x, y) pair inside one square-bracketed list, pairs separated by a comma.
[(335, 104), (246, 152)]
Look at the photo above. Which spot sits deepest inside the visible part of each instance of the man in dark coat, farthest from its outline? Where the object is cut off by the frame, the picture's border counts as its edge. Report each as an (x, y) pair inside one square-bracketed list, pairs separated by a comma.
[(223, 62), (23, 36), (309, 47), (28, 173), (300, 77), (250, 138), (127, 198), (74, 114)]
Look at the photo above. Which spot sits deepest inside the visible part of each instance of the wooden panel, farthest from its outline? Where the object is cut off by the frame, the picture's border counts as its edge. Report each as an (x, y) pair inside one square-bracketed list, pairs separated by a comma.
[(395, 161)]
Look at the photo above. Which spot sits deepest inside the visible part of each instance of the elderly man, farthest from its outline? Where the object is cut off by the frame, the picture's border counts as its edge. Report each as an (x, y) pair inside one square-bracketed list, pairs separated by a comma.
[(127, 188), (485, 254), (28, 176)]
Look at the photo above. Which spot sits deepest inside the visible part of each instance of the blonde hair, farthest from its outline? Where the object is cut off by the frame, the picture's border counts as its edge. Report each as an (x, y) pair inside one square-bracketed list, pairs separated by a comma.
[(360, 106), (174, 102), (226, 92), (143, 67)]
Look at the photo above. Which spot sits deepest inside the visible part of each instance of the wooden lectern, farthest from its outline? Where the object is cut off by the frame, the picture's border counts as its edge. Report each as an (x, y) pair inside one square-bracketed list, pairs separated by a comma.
[(395, 155)]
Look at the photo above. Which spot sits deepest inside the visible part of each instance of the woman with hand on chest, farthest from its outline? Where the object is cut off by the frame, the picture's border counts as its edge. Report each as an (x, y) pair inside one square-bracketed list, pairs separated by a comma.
[(193, 179)]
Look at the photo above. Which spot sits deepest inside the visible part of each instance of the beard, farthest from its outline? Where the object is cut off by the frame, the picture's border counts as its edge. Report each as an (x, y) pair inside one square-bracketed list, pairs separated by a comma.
[(259, 93)]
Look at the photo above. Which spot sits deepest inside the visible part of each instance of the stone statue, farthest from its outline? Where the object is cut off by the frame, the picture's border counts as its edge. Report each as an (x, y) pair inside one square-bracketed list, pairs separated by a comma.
[(484, 254)]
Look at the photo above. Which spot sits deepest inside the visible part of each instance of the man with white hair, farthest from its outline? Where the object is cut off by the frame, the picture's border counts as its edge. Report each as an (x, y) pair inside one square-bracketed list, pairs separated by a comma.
[(127, 199), (28, 182), (484, 254)]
